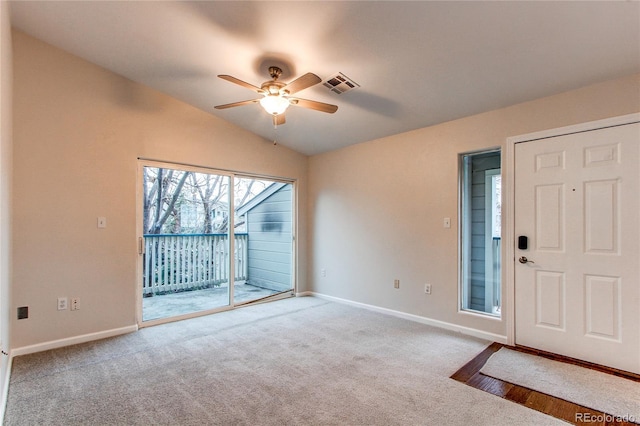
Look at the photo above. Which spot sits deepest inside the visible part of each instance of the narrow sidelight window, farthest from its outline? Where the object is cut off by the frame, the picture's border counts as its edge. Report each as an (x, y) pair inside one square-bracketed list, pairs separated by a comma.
[(480, 222)]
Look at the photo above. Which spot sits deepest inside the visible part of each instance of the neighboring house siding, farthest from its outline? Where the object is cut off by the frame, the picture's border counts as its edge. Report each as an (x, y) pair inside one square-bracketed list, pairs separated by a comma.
[(269, 227), (480, 166)]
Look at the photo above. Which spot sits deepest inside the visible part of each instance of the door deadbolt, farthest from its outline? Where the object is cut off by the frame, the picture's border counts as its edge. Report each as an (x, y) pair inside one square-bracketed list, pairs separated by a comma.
[(523, 259), (523, 242)]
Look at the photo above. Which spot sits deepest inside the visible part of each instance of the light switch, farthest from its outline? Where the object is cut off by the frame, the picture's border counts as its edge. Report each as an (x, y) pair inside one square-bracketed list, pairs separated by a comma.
[(447, 222), (102, 222)]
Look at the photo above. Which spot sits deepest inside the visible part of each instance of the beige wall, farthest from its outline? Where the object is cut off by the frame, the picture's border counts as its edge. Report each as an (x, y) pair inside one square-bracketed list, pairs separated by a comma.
[(6, 143), (78, 132), (376, 209)]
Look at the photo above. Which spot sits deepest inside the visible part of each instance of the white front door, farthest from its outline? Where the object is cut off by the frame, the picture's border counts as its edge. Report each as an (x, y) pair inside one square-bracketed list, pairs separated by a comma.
[(576, 201)]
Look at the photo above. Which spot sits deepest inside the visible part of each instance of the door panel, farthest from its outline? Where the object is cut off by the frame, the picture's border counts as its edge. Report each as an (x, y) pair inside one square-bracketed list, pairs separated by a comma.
[(601, 216), (603, 306), (187, 241), (576, 198), (549, 204), (267, 219), (550, 299)]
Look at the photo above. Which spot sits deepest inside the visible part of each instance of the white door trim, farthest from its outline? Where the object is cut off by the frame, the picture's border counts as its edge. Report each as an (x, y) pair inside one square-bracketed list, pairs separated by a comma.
[(508, 186)]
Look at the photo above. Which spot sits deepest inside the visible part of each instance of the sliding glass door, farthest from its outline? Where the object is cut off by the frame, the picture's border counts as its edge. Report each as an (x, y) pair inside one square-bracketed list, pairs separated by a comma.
[(186, 242), (211, 240), (264, 216)]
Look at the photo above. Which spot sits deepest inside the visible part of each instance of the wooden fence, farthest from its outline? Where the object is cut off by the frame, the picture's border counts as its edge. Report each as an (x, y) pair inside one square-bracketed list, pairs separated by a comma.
[(175, 263)]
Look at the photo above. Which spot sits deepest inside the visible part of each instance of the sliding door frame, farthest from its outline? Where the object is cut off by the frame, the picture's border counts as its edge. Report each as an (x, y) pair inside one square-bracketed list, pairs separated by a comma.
[(232, 175)]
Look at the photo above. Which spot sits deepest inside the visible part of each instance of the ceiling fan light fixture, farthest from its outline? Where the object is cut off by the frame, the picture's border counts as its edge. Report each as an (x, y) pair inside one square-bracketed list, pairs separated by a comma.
[(274, 104)]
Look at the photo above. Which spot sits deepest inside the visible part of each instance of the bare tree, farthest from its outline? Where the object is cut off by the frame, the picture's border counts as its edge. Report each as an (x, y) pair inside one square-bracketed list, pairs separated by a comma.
[(166, 199), (160, 200), (211, 189)]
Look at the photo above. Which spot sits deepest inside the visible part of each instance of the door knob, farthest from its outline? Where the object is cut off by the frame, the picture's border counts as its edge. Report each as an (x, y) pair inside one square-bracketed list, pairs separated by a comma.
[(523, 259)]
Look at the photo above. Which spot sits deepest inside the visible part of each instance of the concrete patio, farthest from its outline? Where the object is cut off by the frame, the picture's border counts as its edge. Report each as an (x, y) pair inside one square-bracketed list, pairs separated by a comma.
[(174, 304)]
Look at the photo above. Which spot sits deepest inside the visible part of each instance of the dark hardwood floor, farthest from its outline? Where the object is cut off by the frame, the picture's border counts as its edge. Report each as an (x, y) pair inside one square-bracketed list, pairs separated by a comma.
[(548, 404)]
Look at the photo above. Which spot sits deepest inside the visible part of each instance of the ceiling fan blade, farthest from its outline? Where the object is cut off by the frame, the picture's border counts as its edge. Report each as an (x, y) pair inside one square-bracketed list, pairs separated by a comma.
[(278, 120), (241, 83), (307, 80), (235, 104), (318, 106)]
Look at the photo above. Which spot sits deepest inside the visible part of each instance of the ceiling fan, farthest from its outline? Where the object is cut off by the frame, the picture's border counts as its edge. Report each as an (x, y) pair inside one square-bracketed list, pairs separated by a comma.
[(277, 95)]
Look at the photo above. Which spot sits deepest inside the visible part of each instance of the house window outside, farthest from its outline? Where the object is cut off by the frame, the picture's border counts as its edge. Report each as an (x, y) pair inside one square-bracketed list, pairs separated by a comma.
[(480, 244)]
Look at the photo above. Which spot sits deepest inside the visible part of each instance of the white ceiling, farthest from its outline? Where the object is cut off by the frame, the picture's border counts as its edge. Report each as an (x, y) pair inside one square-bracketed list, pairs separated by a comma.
[(418, 63)]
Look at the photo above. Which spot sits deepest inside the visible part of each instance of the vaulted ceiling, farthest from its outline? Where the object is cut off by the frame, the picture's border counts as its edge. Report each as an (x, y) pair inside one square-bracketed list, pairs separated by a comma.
[(417, 63)]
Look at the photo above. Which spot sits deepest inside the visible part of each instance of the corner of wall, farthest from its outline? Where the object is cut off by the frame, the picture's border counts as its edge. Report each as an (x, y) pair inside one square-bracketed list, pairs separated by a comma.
[(6, 154)]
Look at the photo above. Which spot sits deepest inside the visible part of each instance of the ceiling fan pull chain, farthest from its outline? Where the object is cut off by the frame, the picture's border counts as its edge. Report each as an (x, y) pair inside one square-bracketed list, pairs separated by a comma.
[(275, 130)]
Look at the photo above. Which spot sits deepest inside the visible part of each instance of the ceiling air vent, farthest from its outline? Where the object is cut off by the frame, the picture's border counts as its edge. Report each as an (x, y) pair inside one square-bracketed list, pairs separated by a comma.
[(340, 83)]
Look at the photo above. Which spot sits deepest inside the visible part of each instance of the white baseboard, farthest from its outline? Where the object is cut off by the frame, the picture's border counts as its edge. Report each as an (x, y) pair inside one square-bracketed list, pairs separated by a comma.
[(304, 293), (53, 344), (411, 317)]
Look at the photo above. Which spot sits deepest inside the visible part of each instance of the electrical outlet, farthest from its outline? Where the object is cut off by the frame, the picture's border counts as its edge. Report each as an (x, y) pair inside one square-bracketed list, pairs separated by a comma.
[(323, 272), (427, 288), (396, 283), (75, 303), (23, 312), (62, 303)]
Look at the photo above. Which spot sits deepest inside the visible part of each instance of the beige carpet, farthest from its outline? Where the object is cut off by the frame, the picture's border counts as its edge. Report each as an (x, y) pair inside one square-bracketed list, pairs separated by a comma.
[(604, 392), (299, 361)]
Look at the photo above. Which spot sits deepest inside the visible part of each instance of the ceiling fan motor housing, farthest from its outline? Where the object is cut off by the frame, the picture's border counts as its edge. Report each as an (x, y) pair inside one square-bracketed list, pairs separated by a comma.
[(273, 87)]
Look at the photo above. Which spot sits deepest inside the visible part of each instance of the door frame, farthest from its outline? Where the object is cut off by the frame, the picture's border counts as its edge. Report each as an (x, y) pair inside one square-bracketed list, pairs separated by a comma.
[(141, 163), (508, 207)]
